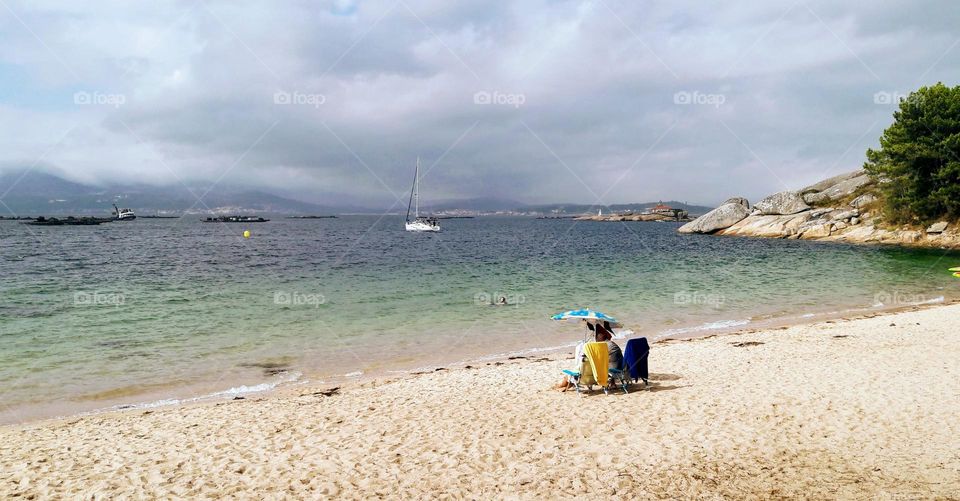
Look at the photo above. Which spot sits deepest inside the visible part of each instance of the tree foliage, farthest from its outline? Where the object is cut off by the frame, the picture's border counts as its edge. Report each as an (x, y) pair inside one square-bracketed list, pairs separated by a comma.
[(918, 163)]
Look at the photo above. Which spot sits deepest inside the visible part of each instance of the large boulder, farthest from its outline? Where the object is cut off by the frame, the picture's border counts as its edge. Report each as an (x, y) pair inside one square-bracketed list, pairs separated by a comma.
[(863, 200), (909, 237), (781, 204), (937, 227), (842, 215), (831, 181), (737, 200), (817, 228), (722, 217), (842, 189)]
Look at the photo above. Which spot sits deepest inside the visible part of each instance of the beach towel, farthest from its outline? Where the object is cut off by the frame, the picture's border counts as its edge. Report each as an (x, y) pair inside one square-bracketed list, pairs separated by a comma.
[(635, 358), (599, 358)]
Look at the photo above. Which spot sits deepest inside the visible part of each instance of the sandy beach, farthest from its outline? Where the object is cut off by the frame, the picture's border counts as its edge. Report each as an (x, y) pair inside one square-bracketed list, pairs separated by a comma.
[(852, 409)]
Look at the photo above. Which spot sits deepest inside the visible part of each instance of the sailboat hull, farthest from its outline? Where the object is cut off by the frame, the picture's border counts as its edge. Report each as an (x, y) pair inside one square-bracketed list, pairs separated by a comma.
[(422, 226)]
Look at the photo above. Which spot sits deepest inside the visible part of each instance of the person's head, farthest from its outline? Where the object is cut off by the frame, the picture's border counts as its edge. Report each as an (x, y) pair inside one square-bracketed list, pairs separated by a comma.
[(603, 335)]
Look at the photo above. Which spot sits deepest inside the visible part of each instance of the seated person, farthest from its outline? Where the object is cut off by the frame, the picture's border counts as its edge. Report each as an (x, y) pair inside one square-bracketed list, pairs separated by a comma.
[(603, 334)]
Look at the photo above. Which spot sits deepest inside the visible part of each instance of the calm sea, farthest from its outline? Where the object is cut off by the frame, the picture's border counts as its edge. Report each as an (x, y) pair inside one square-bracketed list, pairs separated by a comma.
[(156, 311)]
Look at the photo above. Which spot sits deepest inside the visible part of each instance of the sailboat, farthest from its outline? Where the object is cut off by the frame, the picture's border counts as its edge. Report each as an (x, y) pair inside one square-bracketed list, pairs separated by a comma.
[(419, 223)]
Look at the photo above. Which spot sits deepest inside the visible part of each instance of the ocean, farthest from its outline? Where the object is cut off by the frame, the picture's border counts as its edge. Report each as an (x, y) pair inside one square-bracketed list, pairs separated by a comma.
[(157, 311)]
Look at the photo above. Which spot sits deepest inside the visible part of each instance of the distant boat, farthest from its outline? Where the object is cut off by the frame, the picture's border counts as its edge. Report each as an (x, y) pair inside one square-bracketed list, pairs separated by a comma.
[(235, 219), (419, 223), (124, 214)]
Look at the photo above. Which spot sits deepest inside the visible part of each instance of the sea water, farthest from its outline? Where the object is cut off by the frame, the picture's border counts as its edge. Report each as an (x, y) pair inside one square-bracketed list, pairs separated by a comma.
[(156, 311)]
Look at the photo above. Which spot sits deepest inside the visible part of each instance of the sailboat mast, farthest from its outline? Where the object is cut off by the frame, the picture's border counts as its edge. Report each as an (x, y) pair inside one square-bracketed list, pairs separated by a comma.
[(413, 190), (416, 191)]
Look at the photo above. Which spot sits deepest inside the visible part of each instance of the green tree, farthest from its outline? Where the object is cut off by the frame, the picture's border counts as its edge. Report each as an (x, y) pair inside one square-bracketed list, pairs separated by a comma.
[(918, 163)]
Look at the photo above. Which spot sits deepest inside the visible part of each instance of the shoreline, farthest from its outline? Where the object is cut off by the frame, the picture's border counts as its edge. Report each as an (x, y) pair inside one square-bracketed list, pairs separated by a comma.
[(294, 378), (815, 409)]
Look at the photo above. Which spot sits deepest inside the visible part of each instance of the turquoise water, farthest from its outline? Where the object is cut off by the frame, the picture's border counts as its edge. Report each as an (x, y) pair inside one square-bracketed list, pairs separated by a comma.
[(162, 310)]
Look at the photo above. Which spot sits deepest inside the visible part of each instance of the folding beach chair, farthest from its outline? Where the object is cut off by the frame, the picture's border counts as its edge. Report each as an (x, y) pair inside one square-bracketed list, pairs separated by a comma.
[(635, 357), (618, 378), (593, 368)]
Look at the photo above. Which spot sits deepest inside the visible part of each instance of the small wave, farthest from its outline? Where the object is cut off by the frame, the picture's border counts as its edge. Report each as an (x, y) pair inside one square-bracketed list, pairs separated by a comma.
[(236, 391), (709, 326)]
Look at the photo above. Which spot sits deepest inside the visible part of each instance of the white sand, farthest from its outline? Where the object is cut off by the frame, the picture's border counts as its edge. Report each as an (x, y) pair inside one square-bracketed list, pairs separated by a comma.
[(805, 414)]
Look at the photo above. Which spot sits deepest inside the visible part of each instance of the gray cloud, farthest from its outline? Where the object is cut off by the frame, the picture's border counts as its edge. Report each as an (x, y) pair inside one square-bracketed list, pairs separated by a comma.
[(584, 94)]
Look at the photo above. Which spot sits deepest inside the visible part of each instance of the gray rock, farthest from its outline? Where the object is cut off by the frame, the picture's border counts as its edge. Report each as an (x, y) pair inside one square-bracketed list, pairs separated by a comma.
[(722, 217), (937, 227), (844, 215), (910, 237), (863, 200), (826, 183), (820, 230), (816, 213), (839, 190), (781, 204), (772, 226), (737, 200), (854, 221)]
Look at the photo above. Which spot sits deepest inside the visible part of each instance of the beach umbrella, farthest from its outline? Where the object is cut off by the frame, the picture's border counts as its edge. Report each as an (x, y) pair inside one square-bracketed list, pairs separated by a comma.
[(585, 314)]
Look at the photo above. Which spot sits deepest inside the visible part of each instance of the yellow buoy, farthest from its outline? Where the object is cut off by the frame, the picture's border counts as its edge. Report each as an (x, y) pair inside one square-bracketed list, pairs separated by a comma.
[(246, 233)]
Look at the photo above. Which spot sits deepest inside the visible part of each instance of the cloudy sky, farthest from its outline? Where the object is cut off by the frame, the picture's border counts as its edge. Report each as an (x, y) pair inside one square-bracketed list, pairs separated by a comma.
[(537, 101)]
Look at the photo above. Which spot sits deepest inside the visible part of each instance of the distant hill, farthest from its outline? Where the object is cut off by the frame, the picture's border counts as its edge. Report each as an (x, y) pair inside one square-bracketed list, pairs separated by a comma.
[(488, 204), (37, 193)]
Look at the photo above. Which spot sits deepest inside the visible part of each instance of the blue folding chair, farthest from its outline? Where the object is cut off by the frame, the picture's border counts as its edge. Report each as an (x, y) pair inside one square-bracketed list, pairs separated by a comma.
[(635, 357)]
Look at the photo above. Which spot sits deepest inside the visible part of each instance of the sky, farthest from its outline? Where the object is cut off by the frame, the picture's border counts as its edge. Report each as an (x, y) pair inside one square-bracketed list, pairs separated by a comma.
[(537, 101)]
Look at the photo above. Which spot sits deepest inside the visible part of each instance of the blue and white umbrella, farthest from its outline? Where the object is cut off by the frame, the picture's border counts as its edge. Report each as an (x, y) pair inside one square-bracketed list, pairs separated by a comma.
[(585, 314)]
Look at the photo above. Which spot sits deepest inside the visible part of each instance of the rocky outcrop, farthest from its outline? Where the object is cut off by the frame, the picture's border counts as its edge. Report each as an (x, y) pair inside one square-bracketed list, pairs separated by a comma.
[(725, 216), (781, 204), (788, 215)]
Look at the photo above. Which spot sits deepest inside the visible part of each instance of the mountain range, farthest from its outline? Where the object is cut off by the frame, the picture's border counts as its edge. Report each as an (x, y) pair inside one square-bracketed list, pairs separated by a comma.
[(34, 193)]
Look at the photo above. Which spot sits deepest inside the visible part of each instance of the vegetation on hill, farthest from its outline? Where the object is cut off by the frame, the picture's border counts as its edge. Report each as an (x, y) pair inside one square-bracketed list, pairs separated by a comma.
[(918, 164)]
